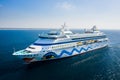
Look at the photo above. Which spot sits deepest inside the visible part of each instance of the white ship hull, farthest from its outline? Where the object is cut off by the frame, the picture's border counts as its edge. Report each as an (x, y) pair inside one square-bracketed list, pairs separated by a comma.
[(62, 53)]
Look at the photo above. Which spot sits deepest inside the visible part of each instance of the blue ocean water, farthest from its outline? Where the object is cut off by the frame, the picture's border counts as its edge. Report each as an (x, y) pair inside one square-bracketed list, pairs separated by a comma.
[(103, 64)]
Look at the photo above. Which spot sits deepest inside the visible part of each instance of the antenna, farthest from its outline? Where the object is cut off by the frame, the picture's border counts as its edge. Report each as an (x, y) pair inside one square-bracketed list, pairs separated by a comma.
[(94, 28), (63, 26)]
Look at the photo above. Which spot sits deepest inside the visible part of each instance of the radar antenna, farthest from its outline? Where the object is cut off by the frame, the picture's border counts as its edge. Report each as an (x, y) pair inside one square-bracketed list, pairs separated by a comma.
[(94, 28), (64, 25), (63, 28)]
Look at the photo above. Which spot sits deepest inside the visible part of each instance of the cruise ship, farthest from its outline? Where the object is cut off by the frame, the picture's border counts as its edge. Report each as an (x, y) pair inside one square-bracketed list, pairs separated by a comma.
[(63, 43)]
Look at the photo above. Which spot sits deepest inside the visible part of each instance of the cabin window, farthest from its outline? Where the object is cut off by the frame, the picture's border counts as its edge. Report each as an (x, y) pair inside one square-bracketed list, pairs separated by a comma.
[(34, 55), (96, 41), (85, 43), (31, 47), (27, 51), (52, 33)]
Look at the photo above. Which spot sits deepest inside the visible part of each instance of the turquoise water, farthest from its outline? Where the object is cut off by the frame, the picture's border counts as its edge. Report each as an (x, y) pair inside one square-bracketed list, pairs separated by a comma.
[(103, 64)]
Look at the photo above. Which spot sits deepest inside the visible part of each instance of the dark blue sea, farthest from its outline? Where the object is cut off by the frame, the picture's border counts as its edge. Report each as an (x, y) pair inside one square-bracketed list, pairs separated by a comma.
[(103, 64)]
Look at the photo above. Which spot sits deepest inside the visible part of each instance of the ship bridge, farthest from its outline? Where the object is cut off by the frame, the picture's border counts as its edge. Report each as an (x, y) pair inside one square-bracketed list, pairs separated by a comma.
[(61, 33)]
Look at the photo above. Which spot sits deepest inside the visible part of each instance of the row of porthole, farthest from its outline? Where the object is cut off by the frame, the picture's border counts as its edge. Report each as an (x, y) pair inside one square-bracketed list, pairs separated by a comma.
[(69, 45), (89, 42), (61, 46), (33, 55)]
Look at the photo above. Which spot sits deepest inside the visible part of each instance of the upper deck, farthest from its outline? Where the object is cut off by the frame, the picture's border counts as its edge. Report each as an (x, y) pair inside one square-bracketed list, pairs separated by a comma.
[(65, 35)]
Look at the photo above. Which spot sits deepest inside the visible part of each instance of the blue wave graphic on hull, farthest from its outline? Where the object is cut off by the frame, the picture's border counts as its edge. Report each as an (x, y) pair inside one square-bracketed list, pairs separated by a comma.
[(67, 52), (74, 49)]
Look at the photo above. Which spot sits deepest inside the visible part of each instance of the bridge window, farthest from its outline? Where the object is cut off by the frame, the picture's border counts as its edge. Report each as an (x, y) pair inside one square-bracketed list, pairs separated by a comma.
[(31, 47)]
